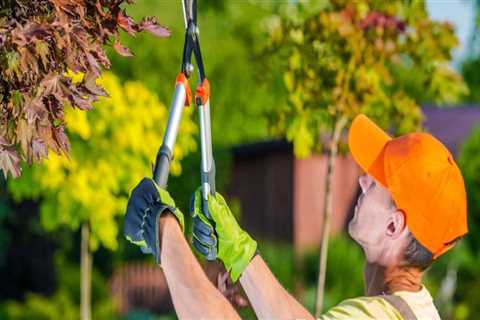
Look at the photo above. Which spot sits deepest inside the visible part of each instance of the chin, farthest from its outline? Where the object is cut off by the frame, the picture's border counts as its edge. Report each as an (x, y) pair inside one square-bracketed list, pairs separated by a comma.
[(352, 231), (370, 257), (356, 236)]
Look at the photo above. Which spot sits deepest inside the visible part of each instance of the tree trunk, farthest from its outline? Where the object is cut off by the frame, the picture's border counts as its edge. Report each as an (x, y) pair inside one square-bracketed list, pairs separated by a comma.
[(85, 274), (327, 212)]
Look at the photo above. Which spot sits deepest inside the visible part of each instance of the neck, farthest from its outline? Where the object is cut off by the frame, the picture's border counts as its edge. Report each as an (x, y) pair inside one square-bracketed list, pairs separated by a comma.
[(386, 280)]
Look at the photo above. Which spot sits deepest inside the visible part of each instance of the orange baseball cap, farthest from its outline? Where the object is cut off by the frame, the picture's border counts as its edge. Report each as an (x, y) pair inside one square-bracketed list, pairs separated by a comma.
[(422, 176)]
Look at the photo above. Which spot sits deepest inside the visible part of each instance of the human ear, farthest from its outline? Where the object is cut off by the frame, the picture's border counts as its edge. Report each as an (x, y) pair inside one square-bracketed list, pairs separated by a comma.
[(396, 224)]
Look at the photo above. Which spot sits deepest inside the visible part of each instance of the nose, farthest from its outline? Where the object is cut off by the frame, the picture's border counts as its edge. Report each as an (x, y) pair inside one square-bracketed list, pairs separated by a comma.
[(365, 181)]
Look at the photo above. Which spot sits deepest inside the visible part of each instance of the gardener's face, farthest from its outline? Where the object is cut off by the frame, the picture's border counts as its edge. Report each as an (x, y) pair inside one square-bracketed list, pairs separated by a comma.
[(374, 219)]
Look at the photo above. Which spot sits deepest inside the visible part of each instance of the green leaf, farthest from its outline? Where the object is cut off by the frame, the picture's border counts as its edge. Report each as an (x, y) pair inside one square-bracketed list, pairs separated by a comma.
[(289, 80), (43, 50), (13, 64), (17, 98), (301, 137)]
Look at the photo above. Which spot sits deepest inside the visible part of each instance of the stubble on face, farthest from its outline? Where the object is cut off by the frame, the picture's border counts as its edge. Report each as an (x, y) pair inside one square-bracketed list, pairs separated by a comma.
[(369, 223)]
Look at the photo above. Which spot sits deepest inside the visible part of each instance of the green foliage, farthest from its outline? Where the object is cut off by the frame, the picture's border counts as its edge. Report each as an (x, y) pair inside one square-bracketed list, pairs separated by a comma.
[(344, 258), (280, 259), (64, 303), (477, 4), (464, 264), (43, 308), (471, 66), (39, 41), (469, 163), (229, 39), (113, 148), (5, 211), (376, 57), (471, 73)]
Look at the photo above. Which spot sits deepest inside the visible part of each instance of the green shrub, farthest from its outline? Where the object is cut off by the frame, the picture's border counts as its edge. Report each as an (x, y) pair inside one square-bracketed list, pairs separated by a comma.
[(280, 259), (344, 272), (344, 258), (64, 304)]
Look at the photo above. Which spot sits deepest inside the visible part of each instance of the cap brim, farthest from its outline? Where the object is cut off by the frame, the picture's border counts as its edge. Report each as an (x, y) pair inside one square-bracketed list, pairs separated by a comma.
[(366, 142)]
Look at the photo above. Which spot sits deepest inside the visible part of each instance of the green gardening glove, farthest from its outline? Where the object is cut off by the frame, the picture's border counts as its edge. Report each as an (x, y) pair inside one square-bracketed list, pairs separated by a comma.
[(220, 234)]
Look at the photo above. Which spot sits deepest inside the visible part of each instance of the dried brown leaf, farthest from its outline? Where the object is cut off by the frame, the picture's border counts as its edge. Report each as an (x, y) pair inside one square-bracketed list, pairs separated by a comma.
[(151, 25), (39, 149), (90, 84), (43, 51), (122, 50), (45, 39), (9, 162), (24, 135), (126, 23), (93, 65), (62, 139), (45, 133), (35, 111)]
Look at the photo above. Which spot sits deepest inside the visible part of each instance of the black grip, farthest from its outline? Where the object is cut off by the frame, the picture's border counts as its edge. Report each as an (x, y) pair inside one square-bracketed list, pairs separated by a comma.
[(211, 179), (162, 167)]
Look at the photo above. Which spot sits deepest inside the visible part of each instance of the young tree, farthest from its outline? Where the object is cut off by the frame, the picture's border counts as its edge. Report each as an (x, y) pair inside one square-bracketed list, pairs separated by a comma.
[(113, 147), (39, 41), (356, 57)]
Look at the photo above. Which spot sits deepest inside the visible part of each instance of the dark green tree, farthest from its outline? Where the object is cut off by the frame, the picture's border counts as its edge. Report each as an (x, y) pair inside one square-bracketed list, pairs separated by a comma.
[(471, 66)]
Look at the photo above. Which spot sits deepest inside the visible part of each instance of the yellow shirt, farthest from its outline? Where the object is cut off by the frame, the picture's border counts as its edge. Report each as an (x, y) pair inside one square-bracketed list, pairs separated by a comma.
[(420, 302)]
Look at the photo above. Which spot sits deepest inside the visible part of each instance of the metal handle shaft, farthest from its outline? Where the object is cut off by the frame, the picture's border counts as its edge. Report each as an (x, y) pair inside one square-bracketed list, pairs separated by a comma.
[(165, 153), (208, 164)]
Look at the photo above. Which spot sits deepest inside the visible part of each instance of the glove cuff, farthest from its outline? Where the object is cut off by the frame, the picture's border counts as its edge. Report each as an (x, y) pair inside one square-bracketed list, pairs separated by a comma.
[(247, 250), (178, 215)]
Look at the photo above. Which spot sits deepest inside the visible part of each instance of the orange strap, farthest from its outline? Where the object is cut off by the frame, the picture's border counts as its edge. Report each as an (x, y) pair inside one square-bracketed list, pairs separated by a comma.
[(203, 91), (182, 79)]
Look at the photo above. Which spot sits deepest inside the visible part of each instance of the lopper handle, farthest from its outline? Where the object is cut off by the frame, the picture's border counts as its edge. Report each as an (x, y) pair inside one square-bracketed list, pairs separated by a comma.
[(161, 170), (207, 163), (202, 97), (164, 157)]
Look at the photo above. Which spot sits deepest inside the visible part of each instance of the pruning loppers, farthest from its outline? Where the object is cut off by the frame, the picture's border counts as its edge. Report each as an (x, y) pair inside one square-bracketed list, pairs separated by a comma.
[(182, 98)]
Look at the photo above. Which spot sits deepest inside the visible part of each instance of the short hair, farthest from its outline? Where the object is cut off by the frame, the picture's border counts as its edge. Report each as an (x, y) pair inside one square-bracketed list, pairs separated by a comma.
[(416, 255)]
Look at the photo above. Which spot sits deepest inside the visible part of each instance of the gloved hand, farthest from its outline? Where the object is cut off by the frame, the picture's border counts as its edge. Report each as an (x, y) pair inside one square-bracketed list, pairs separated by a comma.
[(145, 206), (221, 236)]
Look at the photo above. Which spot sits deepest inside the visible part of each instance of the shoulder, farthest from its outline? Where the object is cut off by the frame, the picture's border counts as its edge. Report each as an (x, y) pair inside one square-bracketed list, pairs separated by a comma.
[(421, 303), (362, 308), (376, 307)]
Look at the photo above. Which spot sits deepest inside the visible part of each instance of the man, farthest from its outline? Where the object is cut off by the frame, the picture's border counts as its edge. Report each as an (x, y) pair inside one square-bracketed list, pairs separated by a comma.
[(412, 210)]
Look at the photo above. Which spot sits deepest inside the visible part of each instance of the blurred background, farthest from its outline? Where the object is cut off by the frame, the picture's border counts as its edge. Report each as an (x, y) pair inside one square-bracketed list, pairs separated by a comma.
[(287, 77)]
